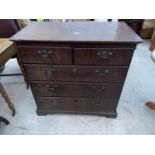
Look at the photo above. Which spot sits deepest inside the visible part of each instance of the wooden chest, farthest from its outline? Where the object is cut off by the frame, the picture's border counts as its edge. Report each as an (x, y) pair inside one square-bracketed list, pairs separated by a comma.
[(76, 67)]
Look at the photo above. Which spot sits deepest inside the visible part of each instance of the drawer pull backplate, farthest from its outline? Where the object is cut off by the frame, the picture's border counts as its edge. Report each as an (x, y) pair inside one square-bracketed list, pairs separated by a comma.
[(105, 54)]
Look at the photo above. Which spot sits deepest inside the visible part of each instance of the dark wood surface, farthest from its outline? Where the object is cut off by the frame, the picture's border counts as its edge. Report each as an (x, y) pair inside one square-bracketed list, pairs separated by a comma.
[(73, 89), (78, 32), (87, 68), (77, 105), (102, 56), (49, 55), (76, 73)]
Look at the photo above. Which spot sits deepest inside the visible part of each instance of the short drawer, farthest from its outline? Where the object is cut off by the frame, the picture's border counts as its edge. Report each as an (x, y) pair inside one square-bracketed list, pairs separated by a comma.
[(48, 55), (75, 89), (103, 56), (80, 105), (76, 73)]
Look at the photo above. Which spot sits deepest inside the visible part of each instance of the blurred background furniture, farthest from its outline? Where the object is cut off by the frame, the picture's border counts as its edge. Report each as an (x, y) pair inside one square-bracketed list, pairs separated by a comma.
[(3, 120), (151, 104), (147, 28), (135, 24), (9, 27), (7, 50)]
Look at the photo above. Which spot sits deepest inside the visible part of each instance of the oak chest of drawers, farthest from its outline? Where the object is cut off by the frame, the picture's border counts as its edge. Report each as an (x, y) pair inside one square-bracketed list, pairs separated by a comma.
[(76, 67)]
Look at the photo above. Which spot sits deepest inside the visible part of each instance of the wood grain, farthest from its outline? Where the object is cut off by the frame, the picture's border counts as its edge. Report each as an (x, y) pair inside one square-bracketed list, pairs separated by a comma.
[(76, 105), (76, 73), (76, 89), (48, 55), (78, 32), (86, 72), (96, 56)]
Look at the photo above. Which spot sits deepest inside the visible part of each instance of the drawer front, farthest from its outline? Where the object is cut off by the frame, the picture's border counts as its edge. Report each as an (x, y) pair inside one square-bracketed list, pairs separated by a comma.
[(102, 56), (70, 89), (49, 55), (76, 73), (63, 104)]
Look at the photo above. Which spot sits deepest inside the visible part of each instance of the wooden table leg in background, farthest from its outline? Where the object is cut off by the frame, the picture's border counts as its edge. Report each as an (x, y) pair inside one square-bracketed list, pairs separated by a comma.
[(2, 119), (7, 51), (7, 100)]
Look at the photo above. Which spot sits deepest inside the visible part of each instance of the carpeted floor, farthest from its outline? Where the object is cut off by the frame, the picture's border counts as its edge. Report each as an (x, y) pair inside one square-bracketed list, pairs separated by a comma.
[(133, 116)]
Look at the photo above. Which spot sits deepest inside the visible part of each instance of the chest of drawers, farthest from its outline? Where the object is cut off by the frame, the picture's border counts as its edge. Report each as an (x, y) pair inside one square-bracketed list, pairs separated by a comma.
[(76, 67)]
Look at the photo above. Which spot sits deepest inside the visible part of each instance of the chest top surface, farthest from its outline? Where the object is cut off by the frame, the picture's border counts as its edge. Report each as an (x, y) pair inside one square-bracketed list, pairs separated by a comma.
[(102, 32)]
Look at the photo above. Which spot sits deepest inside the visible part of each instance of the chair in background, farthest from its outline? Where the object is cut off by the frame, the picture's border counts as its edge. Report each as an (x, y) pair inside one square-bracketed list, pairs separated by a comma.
[(9, 27), (7, 50)]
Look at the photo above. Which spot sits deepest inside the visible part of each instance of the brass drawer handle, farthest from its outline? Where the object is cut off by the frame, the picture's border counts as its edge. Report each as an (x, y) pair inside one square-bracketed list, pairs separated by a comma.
[(97, 103), (50, 71), (104, 54), (45, 53), (98, 88), (52, 88), (102, 73), (74, 70)]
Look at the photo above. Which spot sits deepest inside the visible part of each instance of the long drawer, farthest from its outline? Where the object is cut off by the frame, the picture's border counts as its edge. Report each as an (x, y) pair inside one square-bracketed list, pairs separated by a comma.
[(103, 56), (72, 89), (64, 104), (76, 73), (47, 55)]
